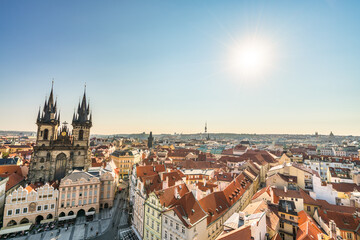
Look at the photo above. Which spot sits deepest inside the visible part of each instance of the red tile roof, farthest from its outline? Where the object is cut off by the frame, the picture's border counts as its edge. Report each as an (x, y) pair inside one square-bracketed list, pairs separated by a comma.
[(215, 204), (167, 196), (188, 210), (344, 221), (149, 170), (14, 179), (345, 187)]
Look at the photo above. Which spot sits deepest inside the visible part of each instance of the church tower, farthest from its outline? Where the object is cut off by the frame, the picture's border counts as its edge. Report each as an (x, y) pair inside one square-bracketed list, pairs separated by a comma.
[(48, 121), (57, 152), (82, 122)]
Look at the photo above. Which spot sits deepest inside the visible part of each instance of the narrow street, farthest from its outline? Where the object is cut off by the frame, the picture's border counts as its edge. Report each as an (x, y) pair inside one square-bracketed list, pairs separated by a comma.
[(119, 219)]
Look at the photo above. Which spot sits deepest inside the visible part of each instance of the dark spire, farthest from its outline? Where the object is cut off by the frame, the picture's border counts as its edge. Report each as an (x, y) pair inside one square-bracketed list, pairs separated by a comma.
[(150, 140), (81, 116), (51, 97), (49, 110)]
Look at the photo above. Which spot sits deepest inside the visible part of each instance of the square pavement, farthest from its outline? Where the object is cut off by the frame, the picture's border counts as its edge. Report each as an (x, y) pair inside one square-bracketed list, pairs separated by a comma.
[(65, 235), (79, 233), (95, 226)]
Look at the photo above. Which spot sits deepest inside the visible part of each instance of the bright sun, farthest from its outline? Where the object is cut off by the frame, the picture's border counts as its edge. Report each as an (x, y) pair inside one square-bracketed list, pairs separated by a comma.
[(250, 58)]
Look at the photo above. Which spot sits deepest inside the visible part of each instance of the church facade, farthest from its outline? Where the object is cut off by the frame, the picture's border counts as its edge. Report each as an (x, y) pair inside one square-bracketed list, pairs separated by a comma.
[(59, 151)]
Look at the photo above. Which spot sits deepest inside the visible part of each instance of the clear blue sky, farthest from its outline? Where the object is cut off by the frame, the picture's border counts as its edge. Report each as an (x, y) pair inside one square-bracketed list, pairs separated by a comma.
[(161, 65)]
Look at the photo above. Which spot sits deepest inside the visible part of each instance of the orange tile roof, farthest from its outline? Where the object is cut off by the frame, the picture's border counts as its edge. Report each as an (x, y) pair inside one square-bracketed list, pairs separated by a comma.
[(240, 233), (261, 191), (308, 230)]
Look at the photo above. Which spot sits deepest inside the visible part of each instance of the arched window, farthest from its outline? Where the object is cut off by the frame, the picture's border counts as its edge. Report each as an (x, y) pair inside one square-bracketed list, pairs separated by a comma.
[(42, 160), (46, 134), (81, 134)]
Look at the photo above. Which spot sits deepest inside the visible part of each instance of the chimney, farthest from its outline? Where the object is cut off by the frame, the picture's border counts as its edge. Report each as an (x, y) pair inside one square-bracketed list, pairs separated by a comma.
[(285, 189), (287, 207)]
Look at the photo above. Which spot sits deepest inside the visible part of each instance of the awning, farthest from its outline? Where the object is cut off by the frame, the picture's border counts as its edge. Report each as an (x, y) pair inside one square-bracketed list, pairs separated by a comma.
[(16, 228), (47, 220), (90, 213), (67, 217)]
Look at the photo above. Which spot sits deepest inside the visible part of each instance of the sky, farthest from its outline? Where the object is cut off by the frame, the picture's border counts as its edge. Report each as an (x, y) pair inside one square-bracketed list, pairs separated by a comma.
[(168, 66)]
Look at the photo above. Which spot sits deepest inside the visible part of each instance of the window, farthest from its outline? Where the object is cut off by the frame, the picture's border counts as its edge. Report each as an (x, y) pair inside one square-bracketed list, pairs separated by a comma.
[(90, 201), (85, 193), (9, 212), (281, 224), (39, 208), (166, 220), (158, 227), (171, 236), (282, 215), (17, 211), (73, 195), (46, 134), (349, 235), (46, 207), (291, 217), (94, 200), (73, 203), (148, 210), (165, 234), (171, 223), (81, 134), (282, 235), (183, 230), (308, 208), (25, 210), (52, 206), (79, 202), (177, 226), (84, 202)]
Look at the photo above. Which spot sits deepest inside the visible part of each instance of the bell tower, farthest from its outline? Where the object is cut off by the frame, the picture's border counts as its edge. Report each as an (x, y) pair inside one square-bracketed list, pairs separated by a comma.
[(82, 122), (48, 121)]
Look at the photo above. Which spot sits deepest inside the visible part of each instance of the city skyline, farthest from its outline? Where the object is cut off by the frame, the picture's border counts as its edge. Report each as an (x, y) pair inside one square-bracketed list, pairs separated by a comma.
[(169, 67)]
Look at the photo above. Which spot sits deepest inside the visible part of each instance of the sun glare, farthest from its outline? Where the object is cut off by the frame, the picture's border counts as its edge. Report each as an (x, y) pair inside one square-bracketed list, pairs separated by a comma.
[(250, 58)]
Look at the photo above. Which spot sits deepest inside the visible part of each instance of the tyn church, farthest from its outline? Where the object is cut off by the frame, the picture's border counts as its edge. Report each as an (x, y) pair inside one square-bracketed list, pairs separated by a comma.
[(57, 151)]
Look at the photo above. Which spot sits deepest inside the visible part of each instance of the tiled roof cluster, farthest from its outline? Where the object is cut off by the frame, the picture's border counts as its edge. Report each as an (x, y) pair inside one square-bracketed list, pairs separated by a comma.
[(217, 203)]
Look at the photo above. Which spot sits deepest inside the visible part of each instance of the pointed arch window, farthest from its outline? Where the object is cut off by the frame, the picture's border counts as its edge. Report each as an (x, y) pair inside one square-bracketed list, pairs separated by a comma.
[(81, 134), (46, 134)]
